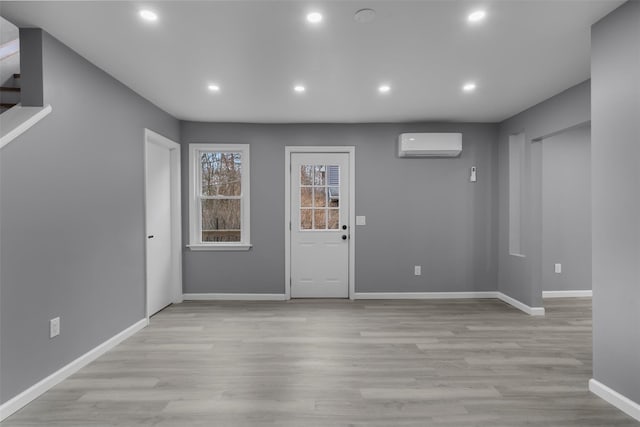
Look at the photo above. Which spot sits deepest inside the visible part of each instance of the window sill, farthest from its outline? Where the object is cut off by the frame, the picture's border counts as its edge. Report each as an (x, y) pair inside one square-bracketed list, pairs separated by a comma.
[(220, 247)]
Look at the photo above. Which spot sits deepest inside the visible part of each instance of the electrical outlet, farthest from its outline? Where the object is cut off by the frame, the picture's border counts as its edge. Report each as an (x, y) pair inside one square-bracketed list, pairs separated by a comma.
[(54, 327), (558, 268), (417, 270)]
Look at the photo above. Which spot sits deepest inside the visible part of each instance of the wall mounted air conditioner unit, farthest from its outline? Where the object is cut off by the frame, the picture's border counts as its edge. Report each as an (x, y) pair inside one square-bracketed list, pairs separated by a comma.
[(429, 144)]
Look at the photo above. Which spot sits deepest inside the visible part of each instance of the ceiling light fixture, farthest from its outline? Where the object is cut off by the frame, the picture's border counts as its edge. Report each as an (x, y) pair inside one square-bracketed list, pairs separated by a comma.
[(214, 88), (469, 87), (299, 88), (148, 15), (477, 16), (384, 88), (314, 17)]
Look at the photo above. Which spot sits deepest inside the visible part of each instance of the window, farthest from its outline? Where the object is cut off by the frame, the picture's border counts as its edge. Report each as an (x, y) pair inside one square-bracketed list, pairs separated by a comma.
[(219, 197), (319, 197), (516, 170)]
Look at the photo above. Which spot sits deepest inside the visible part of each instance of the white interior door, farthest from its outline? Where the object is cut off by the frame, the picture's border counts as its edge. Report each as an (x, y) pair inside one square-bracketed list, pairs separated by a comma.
[(158, 211), (320, 225)]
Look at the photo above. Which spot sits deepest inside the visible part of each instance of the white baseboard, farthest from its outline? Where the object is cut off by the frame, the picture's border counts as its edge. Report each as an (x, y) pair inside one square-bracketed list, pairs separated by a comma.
[(18, 119), (234, 297), (621, 402), (22, 399), (424, 295), (567, 294), (532, 311)]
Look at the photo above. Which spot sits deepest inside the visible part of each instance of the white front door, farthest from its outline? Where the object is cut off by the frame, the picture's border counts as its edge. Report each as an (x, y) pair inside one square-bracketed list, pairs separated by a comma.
[(158, 210), (320, 225)]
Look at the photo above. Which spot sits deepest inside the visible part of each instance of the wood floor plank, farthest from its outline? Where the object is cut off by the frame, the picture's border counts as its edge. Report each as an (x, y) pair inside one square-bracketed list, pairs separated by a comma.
[(340, 363)]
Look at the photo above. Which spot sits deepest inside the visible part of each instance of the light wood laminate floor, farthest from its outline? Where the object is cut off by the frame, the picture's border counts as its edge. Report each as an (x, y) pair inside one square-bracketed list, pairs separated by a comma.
[(340, 363)]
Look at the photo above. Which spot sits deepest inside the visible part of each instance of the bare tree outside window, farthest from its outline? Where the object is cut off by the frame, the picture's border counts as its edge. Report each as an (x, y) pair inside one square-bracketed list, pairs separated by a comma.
[(319, 197), (221, 180)]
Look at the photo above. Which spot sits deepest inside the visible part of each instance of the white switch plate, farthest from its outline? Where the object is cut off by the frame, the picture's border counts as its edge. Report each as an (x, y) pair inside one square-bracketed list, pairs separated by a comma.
[(558, 268), (54, 327), (417, 270), (361, 220)]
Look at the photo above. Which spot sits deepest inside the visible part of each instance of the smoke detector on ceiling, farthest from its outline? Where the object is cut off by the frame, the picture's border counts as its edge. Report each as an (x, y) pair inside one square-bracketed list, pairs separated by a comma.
[(364, 16)]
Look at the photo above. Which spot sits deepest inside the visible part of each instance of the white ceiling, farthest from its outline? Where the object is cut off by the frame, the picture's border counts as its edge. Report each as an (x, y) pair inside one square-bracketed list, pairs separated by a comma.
[(524, 52)]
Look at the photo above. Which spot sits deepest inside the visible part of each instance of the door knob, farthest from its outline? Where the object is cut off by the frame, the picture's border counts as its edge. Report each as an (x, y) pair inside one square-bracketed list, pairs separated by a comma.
[(344, 227), (150, 237), (344, 237)]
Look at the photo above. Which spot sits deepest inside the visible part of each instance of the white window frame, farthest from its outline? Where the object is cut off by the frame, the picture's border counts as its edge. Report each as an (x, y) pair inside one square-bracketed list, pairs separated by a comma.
[(195, 217)]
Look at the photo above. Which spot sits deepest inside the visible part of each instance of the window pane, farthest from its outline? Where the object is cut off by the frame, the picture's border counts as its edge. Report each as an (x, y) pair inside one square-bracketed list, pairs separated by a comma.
[(320, 196), (306, 219), (306, 175), (221, 220), (333, 175), (319, 176), (333, 222), (334, 196), (221, 173), (320, 219), (306, 200)]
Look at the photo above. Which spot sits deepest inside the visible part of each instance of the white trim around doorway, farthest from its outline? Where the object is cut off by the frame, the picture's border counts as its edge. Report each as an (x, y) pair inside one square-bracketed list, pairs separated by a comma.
[(351, 150)]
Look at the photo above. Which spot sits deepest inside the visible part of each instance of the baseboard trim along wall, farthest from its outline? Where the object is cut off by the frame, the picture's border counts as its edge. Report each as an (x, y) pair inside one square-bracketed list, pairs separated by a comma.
[(567, 294), (18, 119), (424, 295), (611, 396), (233, 297), (532, 311), (22, 399)]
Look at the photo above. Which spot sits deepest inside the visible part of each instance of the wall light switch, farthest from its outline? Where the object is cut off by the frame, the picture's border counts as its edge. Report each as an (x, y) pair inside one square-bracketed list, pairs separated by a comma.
[(361, 220), (417, 270), (54, 327), (558, 268)]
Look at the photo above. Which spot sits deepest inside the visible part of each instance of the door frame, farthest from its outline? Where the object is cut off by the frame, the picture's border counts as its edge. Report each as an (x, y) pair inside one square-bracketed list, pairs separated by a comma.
[(351, 151), (151, 137)]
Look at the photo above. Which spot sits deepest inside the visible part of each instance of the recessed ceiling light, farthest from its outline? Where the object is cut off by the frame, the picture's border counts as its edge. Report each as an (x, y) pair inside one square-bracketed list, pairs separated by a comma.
[(469, 87), (214, 88), (477, 16), (314, 17), (299, 88), (384, 88), (148, 15)]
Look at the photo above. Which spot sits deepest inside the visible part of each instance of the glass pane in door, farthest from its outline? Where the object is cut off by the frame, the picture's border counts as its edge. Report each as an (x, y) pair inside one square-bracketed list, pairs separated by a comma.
[(319, 190)]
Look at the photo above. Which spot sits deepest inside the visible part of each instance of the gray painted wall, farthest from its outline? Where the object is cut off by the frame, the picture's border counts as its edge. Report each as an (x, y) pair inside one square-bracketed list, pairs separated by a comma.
[(566, 210), (31, 65), (419, 211), (71, 191), (521, 277), (615, 67)]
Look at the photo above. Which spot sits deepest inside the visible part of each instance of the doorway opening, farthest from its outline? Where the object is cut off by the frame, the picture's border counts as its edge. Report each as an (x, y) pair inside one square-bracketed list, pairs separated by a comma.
[(163, 234), (319, 221)]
